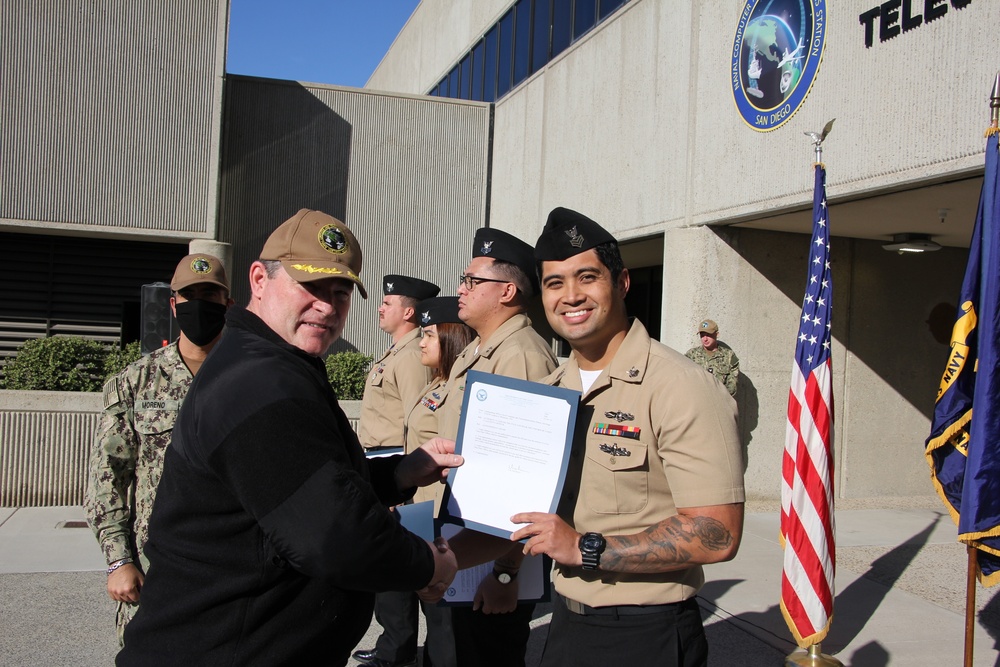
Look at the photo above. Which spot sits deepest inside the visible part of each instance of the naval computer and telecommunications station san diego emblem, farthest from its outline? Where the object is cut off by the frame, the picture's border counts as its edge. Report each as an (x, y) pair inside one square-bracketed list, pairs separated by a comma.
[(776, 55)]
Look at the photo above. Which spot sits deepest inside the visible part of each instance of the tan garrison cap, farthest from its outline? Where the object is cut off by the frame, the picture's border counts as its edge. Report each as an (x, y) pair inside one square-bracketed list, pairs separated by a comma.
[(199, 268), (312, 245), (708, 327)]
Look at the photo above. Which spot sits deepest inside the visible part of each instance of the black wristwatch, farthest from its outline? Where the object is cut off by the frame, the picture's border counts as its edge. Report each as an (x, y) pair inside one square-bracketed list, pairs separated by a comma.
[(592, 545), (504, 577)]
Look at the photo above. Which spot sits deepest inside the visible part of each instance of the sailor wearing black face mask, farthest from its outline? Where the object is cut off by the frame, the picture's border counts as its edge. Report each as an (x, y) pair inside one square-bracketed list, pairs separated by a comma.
[(140, 406)]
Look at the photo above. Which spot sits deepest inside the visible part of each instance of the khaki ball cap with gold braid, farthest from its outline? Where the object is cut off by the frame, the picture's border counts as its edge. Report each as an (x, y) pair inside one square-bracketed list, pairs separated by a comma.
[(312, 245)]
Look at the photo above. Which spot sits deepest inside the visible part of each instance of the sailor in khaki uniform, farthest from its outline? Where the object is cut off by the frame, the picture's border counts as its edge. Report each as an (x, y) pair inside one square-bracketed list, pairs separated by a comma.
[(395, 382), (442, 336), (655, 484), (492, 297), (397, 379), (493, 304)]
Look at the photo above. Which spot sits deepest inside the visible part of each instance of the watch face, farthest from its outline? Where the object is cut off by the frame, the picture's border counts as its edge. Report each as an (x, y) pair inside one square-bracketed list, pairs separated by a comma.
[(592, 542), (503, 578)]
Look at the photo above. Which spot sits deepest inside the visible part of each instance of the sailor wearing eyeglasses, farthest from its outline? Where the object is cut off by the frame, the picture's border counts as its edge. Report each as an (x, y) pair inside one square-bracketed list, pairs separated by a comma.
[(493, 295)]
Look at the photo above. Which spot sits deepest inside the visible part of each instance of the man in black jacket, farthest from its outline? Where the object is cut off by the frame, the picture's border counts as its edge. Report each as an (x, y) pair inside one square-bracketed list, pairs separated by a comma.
[(271, 533)]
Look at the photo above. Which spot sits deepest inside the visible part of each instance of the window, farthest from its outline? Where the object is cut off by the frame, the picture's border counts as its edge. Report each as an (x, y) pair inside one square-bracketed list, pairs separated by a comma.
[(490, 66), (540, 35), (528, 36), (453, 78), (584, 16), (562, 33), (466, 76), (522, 40), (477, 71), (608, 6), (504, 53)]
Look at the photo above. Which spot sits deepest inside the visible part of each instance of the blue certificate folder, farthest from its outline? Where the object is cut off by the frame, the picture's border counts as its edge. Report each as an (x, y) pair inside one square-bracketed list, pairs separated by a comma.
[(478, 387)]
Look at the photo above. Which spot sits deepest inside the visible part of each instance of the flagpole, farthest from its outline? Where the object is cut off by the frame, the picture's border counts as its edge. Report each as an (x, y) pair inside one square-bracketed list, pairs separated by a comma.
[(814, 656), (973, 562)]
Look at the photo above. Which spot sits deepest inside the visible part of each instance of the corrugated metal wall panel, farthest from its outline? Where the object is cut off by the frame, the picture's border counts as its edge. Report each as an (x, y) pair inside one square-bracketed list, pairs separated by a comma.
[(393, 167), (110, 114), (43, 457)]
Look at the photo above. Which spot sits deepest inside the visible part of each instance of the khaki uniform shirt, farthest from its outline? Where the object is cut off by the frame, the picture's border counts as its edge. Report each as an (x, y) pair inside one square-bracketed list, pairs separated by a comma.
[(721, 363), (514, 350), (421, 425), (126, 460), (395, 382), (654, 433)]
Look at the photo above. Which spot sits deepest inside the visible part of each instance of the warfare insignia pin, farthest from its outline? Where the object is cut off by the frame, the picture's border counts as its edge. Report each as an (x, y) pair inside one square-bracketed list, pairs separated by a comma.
[(575, 238), (633, 372), (332, 240), (425, 316), (615, 450), (201, 266), (619, 416), (487, 247)]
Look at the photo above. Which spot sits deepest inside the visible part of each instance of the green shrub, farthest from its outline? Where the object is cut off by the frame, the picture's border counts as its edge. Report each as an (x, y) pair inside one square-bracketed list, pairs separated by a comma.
[(347, 372), (70, 363), (119, 358)]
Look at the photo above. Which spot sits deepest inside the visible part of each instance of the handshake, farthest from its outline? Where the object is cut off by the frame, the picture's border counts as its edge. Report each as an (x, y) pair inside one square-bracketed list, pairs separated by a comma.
[(445, 568)]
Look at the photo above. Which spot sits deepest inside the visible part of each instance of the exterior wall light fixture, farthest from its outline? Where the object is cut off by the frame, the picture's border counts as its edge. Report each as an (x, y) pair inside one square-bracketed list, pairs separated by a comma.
[(905, 243)]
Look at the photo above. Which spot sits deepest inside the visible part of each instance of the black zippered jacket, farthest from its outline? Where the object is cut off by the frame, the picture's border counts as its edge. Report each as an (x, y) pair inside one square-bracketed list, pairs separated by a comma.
[(270, 533)]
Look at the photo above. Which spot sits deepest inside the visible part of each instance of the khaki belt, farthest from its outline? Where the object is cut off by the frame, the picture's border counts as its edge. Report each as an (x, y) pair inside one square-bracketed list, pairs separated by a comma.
[(620, 610)]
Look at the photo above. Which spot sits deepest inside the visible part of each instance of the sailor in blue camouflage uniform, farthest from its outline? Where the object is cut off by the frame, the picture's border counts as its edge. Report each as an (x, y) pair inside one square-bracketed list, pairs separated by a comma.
[(140, 407)]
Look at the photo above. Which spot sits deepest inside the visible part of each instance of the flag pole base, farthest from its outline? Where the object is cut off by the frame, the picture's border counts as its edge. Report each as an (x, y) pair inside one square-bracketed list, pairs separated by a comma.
[(812, 657)]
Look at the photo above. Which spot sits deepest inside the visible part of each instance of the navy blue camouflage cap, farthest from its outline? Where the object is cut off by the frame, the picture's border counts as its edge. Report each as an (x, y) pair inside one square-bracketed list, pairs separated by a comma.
[(568, 233), (438, 310), (500, 245), (409, 286)]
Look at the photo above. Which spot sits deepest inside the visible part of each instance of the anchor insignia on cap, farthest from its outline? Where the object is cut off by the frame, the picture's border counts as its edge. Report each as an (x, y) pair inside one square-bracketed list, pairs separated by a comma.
[(388, 287), (619, 416), (575, 238), (615, 450), (425, 317), (487, 247)]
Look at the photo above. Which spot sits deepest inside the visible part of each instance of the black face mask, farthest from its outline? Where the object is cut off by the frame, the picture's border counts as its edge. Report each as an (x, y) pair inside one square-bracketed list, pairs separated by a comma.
[(201, 321)]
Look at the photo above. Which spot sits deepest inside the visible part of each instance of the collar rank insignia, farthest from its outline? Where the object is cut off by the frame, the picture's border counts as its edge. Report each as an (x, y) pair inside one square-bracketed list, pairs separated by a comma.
[(615, 450), (619, 416), (388, 287), (618, 431), (633, 372), (575, 238), (425, 316), (487, 247)]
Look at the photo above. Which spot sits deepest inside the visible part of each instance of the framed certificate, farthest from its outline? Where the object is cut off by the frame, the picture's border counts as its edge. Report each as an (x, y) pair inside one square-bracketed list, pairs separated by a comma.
[(515, 437)]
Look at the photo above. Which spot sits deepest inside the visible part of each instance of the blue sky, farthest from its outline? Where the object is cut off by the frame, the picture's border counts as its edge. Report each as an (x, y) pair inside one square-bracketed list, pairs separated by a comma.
[(318, 41)]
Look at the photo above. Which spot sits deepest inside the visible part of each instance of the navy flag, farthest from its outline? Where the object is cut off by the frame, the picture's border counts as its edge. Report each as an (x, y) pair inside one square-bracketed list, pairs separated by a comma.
[(963, 449)]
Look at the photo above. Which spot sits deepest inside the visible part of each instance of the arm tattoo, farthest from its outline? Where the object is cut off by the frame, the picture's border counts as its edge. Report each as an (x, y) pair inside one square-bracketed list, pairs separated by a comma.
[(666, 546)]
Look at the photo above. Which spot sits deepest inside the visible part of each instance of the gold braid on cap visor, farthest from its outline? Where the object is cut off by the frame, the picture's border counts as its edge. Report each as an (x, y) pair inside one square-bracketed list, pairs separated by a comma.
[(309, 268)]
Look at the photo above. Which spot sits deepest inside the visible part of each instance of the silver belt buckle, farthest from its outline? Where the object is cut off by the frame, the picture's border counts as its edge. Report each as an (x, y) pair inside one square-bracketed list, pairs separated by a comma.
[(574, 606)]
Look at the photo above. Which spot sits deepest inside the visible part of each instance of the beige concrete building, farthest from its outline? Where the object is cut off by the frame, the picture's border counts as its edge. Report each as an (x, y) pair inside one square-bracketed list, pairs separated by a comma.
[(633, 120), (124, 142)]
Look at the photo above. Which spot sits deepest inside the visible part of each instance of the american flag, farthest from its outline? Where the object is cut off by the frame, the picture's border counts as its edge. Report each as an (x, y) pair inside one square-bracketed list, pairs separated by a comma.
[(807, 464)]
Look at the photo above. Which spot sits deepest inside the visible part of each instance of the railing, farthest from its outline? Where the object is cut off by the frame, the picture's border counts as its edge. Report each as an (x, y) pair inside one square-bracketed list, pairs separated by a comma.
[(45, 442)]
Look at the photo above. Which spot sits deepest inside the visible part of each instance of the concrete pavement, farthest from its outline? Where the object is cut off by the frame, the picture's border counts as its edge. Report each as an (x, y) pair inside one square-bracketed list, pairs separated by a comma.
[(900, 592)]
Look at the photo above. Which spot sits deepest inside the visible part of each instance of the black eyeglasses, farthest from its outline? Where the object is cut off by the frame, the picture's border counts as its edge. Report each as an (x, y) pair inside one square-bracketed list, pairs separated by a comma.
[(470, 282)]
